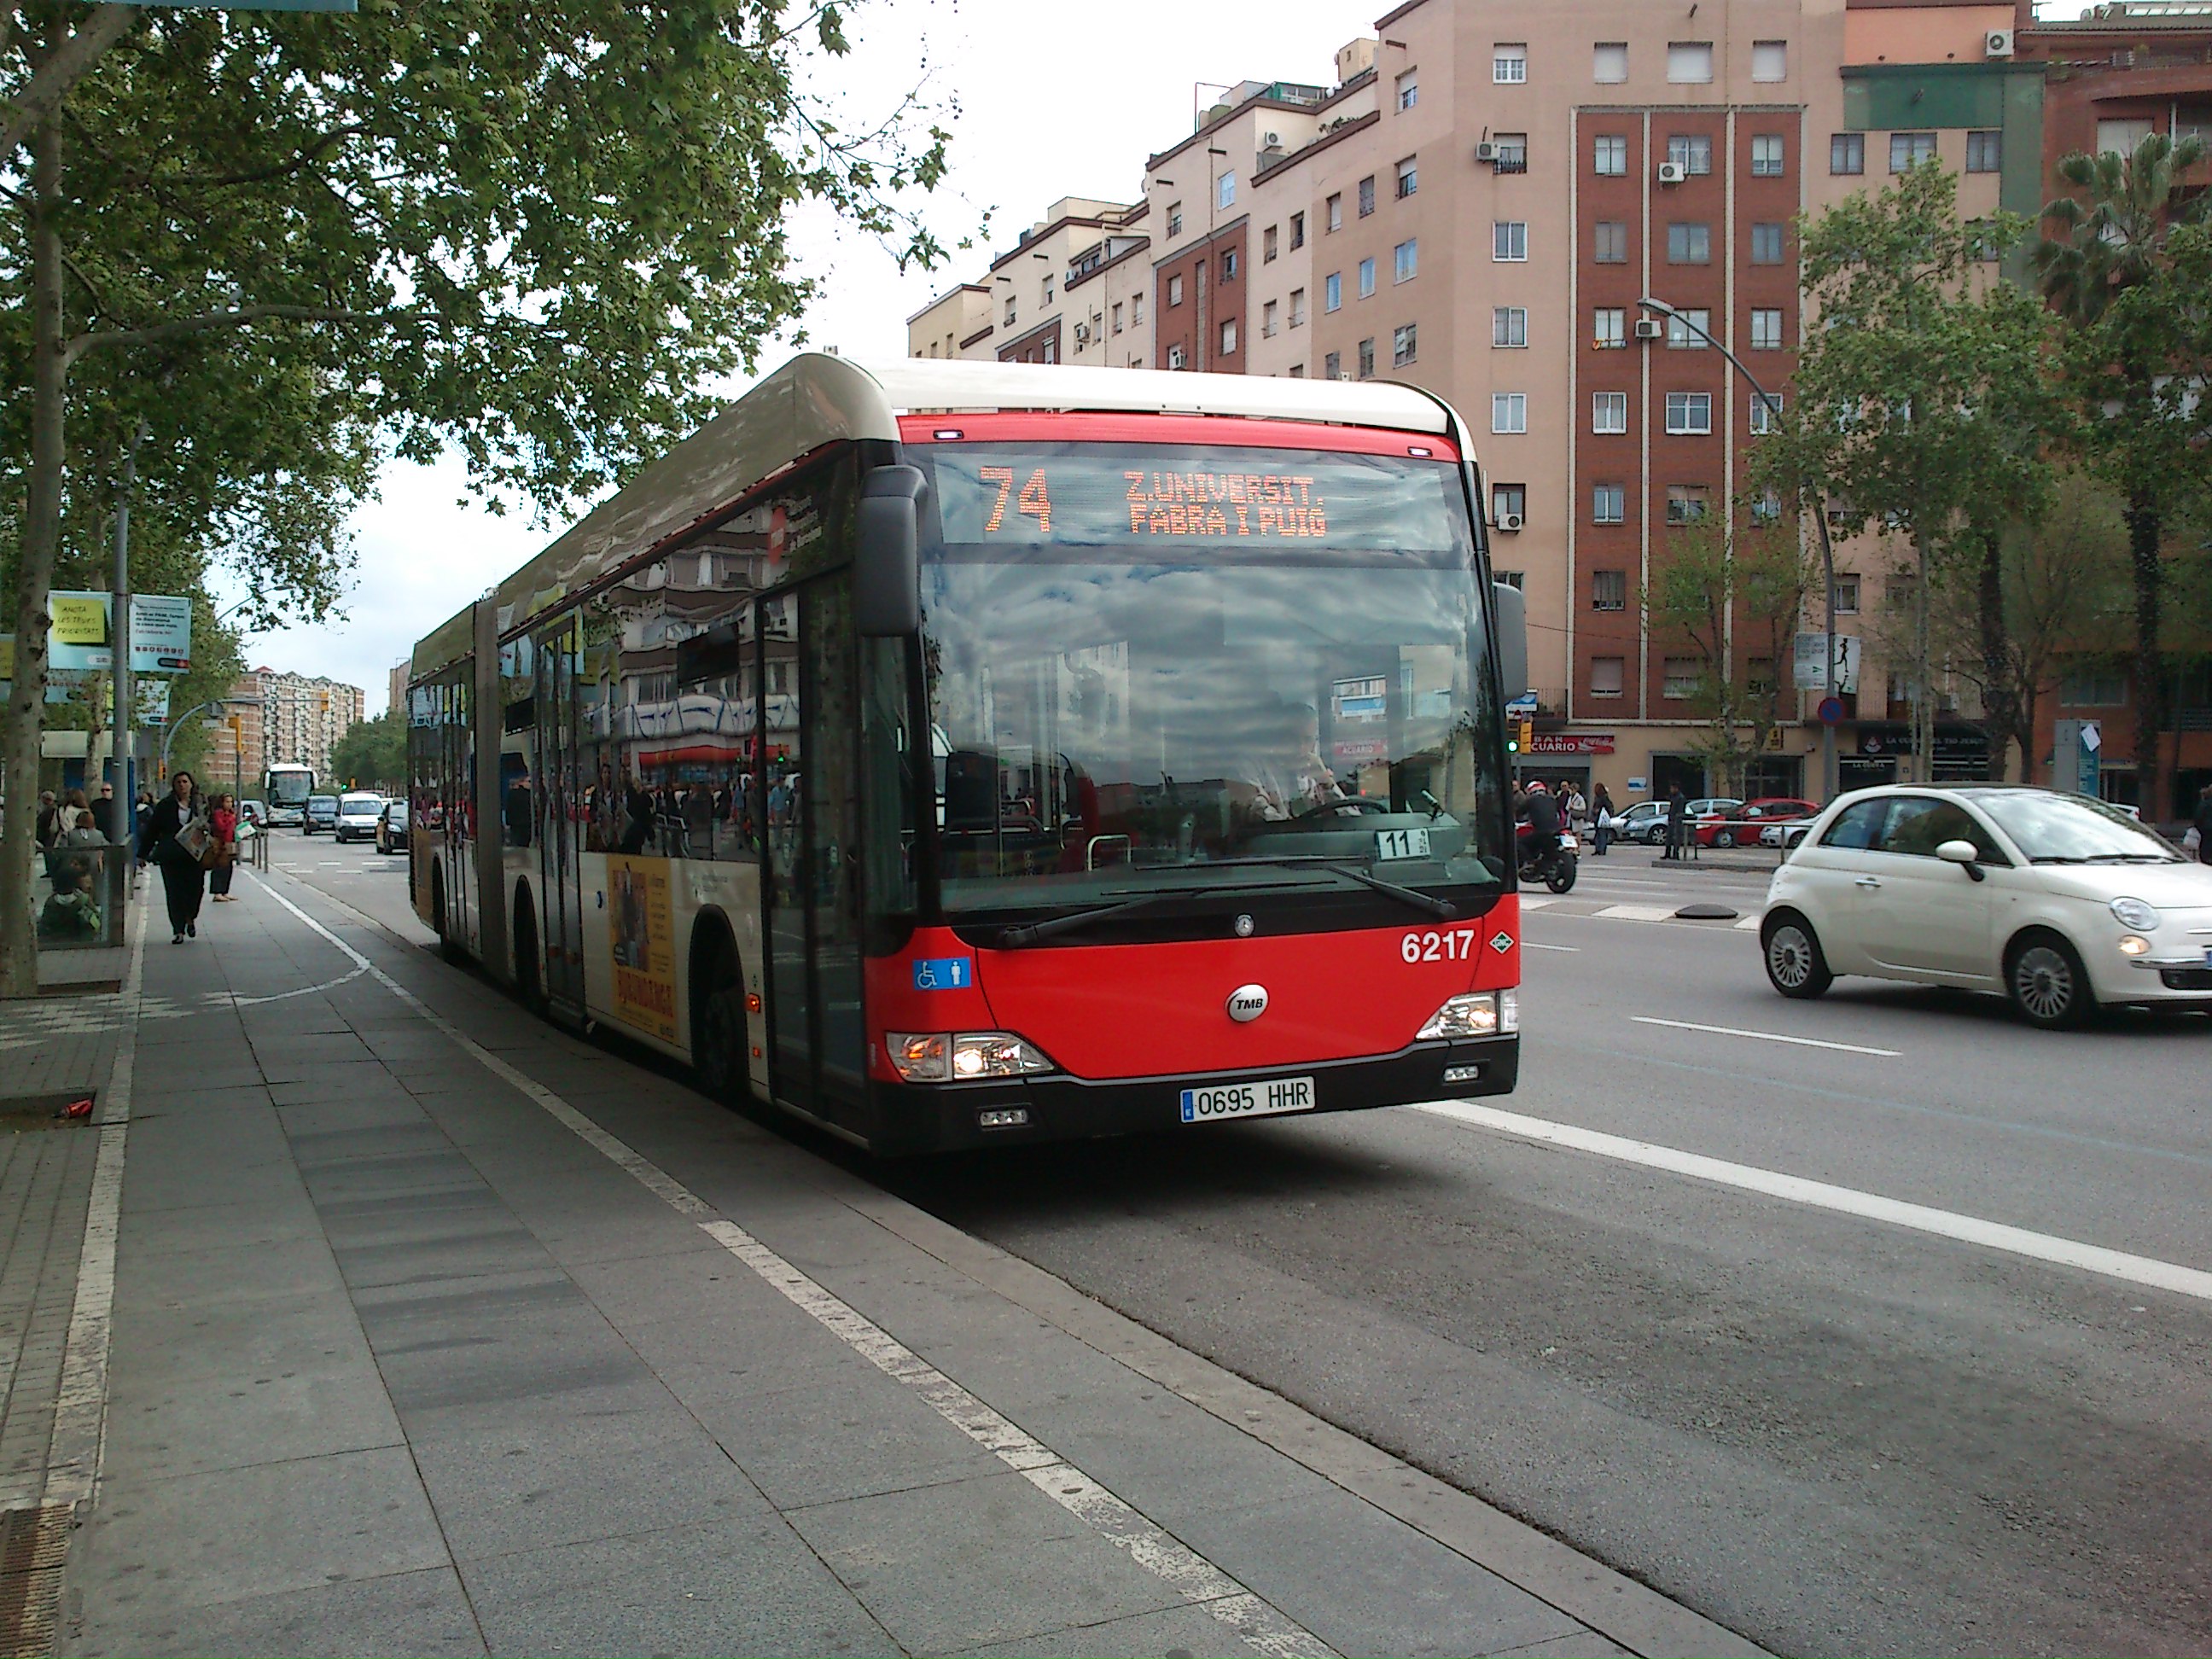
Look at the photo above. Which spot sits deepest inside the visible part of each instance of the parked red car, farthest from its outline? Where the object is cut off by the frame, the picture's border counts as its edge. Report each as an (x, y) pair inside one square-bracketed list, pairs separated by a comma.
[(1740, 825)]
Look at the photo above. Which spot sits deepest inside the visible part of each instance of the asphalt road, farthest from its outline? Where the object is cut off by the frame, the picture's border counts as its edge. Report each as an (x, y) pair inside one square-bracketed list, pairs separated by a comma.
[(1834, 1433)]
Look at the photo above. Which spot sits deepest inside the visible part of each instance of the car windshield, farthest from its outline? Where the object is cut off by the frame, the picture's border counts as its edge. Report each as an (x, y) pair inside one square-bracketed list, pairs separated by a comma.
[(2052, 828), (322, 804), (1146, 662), (362, 806)]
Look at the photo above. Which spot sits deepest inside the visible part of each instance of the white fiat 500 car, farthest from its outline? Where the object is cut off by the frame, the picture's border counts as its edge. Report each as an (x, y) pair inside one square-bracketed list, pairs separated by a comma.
[(2056, 901)]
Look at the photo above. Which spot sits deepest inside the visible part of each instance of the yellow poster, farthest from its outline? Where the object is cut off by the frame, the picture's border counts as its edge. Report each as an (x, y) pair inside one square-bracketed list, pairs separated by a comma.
[(79, 619), (642, 935)]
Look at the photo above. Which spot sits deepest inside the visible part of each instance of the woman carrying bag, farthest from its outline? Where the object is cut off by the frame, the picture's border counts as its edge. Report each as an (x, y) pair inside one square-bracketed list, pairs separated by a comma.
[(177, 836), (222, 822)]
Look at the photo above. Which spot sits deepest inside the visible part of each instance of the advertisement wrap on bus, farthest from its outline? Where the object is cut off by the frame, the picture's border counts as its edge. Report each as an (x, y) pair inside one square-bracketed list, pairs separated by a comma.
[(954, 754)]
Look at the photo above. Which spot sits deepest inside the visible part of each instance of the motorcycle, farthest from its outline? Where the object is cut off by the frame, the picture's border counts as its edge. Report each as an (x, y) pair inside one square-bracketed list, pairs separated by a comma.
[(1555, 868)]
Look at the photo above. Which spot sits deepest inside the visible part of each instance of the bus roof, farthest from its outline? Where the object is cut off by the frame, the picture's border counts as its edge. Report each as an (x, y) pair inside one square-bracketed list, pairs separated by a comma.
[(817, 399)]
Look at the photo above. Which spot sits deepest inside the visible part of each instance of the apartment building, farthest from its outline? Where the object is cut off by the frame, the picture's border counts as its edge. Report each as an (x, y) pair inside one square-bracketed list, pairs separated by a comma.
[(234, 760), (1482, 201), (303, 717), (1073, 289)]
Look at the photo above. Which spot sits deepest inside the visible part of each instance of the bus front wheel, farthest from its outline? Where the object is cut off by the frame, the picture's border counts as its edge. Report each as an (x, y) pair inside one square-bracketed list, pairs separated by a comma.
[(718, 1025)]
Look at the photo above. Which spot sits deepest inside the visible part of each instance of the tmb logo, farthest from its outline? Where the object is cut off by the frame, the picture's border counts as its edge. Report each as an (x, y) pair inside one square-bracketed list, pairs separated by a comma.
[(1247, 1003)]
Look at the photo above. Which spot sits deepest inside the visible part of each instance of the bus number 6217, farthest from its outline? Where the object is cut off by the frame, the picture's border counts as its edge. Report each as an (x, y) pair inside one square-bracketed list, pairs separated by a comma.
[(1433, 946)]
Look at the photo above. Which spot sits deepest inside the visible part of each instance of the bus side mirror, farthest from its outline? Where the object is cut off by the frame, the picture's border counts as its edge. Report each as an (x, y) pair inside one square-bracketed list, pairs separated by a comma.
[(887, 568), (1510, 607)]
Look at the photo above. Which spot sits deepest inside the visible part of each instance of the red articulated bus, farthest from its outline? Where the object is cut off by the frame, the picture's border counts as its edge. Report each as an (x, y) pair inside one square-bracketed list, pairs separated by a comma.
[(957, 754)]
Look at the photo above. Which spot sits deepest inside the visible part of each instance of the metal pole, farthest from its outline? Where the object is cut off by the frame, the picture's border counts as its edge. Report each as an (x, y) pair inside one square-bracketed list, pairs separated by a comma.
[(1828, 770), (122, 820)]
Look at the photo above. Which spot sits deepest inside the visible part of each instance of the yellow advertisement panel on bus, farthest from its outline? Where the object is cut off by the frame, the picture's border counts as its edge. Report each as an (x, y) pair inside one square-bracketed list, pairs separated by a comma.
[(642, 935)]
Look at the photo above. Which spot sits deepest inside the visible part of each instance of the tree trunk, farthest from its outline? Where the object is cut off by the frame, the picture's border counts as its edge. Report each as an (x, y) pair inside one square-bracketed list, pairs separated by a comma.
[(2149, 668), (2000, 693), (35, 573), (1923, 707)]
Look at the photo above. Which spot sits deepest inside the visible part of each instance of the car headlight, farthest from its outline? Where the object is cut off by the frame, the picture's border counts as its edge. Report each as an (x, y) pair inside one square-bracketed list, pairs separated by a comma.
[(1476, 1013), (2134, 913), (948, 1056)]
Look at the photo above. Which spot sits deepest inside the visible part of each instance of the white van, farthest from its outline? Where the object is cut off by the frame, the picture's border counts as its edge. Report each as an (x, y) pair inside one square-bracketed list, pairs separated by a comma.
[(358, 812)]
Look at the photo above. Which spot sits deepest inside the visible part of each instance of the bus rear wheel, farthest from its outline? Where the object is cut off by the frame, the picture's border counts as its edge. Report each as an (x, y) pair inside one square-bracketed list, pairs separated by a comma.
[(718, 1025)]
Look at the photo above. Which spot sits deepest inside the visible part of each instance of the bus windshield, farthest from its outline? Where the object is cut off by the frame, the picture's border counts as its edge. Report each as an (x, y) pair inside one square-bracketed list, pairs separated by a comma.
[(290, 787), (1157, 667)]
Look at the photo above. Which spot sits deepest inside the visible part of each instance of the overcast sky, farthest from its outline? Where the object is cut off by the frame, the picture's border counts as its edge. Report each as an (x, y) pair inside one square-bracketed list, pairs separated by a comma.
[(1069, 111)]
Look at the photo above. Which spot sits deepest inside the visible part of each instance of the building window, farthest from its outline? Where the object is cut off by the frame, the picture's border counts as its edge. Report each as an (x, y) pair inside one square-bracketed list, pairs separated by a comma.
[(1404, 344), (1175, 289), (1367, 359), (1766, 329), (1766, 155), (1608, 590), (1679, 678), (1509, 64), (1409, 90), (1297, 371), (1608, 504), (2121, 137), (1298, 231), (1332, 291), (1508, 241), (1763, 417), (1908, 150), (1609, 242), (1048, 352), (1048, 288), (1268, 240), (1508, 325), (1512, 152), (1508, 501), (2093, 687), (1609, 328), (1983, 242), (1366, 278), (1608, 412), (1009, 313), (1687, 503), (1770, 61), (1176, 357), (1606, 676), (1766, 243), (1367, 196), (1847, 596), (1692, 152), (1508, 411), (1847, 153), (1229, 266), (1405, 261), (1332, 367), (1689, 244), (1689, 329), (1298, 307), (1136, 310), (1985, 152), (1689, 414), (1609, 63), (1515, 579), (1268, 322), (1609, 155), (1409, 178), (1334, 208), (1689, 63), (1766, 509), (1175, 218), (1117, 316), (1229, 338), (1224, 191)]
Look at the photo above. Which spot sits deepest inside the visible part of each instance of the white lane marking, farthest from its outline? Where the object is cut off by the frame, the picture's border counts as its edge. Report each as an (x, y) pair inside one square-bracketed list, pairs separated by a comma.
[(1537, 902), (1531, 944), (1189, 1574), (80, 1436), (1638, 912), (1767, 1036), (1749, 923), (1846, 1201)]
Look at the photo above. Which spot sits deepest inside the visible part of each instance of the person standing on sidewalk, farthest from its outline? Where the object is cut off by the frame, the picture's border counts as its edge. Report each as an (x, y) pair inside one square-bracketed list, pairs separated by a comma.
[(222, 822), (173, 831), (1678, 821), (103, 812), (1602, 820), (49, 825)]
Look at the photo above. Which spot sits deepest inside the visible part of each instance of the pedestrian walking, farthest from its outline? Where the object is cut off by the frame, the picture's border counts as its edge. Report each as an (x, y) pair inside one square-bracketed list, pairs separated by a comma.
[(1602, 815), (177, 836), (222, 823), (1577, 807), (1678, 821)]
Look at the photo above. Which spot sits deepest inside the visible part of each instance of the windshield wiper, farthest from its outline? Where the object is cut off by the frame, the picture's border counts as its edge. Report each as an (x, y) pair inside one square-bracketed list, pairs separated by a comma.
[(2127, 858), (1443, 908), (1013, 937)]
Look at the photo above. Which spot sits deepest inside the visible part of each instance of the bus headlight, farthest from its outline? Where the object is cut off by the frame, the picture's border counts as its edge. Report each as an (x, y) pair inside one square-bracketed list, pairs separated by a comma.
[(1475, 1014), (946, 1056)]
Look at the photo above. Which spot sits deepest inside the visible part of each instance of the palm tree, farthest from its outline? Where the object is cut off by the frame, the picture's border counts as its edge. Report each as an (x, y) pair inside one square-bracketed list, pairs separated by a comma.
[(2112, 237)]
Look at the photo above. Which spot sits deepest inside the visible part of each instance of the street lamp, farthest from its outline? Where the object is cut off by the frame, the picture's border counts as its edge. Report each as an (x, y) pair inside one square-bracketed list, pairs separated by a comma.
[(1828, 547)]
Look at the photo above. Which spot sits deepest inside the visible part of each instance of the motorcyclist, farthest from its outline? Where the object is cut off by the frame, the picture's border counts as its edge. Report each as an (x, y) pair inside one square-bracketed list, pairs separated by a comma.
[(1541, 812)]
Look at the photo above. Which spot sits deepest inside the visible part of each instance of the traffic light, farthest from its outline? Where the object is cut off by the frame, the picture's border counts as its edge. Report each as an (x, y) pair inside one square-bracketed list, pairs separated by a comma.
[(1523, 739)]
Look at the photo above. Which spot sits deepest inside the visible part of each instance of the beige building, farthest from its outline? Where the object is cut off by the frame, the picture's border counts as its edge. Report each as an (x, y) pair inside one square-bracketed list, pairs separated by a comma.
[(1073, 289), (303, 717)]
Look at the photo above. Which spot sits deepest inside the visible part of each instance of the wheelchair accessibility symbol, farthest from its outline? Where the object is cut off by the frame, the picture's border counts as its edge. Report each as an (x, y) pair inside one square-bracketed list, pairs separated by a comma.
[(943, 974)]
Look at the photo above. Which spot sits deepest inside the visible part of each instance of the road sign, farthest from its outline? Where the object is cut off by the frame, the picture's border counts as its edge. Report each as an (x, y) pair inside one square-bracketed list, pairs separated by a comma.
[(1832, 711), (1522, 708), (1810, 665)]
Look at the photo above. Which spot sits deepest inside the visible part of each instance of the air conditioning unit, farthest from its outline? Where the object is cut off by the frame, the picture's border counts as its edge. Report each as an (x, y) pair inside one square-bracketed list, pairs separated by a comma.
[(1271, 141), (1998, 43), (1509, 521), (1671, 173), (1650, 328), (1485, 151)]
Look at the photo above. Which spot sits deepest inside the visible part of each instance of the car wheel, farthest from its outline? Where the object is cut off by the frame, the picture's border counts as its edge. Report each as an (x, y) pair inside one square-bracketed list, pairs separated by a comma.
[(1655, 835), (1724, 838), (1795, 964), (2046, 983)]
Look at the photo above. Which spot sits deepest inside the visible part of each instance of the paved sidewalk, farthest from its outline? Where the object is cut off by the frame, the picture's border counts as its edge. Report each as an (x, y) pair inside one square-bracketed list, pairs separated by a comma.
[(437, 1331)]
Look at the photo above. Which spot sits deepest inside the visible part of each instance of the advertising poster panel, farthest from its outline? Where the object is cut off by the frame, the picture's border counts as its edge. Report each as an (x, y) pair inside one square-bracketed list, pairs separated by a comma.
[(641, 934)]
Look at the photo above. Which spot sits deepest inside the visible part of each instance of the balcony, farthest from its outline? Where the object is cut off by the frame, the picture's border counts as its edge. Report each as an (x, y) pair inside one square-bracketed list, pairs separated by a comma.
[(1511, 162)]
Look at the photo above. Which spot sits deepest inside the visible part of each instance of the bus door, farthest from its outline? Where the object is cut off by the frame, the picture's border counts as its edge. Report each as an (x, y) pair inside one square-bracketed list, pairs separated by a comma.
[(809, 776), (558, 791), (457, 803)]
